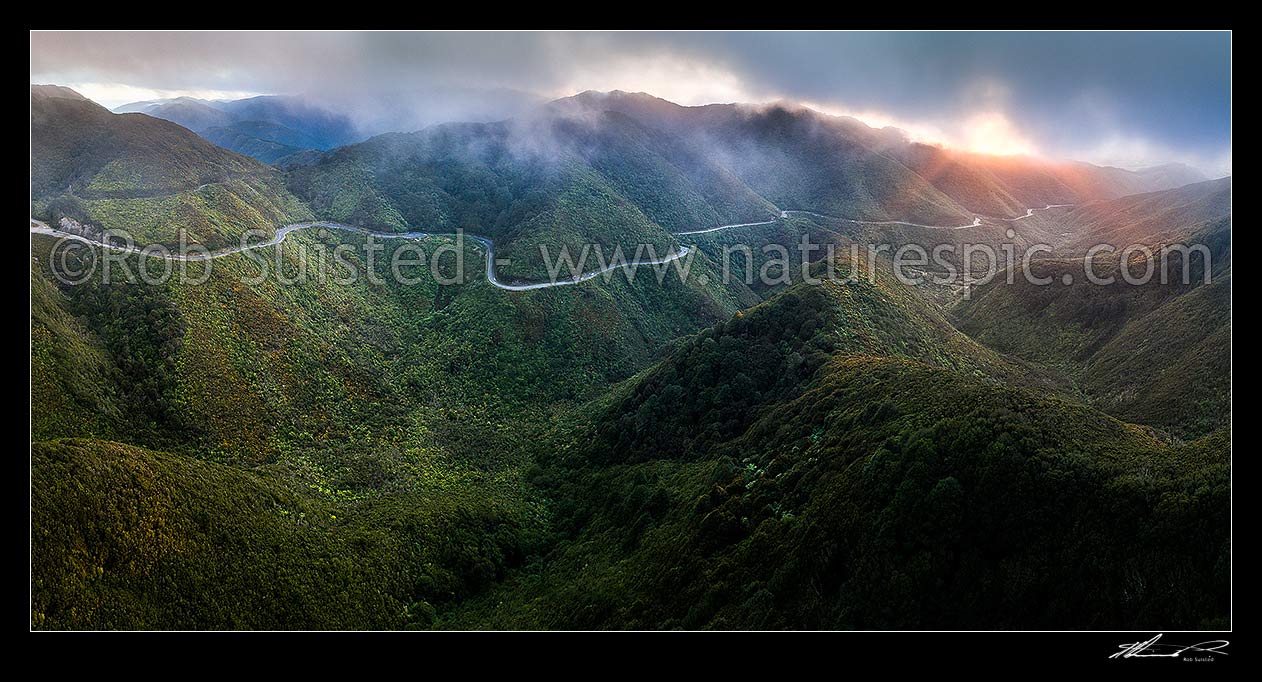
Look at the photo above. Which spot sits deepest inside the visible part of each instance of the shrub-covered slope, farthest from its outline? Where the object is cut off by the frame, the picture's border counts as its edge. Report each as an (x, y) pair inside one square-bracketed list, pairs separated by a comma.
[(147, 177), (299, 446), (1155, 352), (877, 493), (127, 538)]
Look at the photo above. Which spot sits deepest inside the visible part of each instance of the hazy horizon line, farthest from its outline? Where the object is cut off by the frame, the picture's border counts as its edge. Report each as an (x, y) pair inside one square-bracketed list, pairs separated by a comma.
[(782, 102)]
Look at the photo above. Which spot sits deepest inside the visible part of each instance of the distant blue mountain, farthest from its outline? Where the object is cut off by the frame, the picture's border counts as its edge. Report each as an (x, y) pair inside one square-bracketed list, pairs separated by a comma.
[(266, 127)]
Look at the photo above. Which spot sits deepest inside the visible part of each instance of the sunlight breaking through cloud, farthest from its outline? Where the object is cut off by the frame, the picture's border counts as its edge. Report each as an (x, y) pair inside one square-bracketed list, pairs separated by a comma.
[(1053, 94)]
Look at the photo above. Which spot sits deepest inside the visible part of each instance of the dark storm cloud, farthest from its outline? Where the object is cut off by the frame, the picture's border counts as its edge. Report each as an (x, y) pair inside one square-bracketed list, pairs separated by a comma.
[(1113, 97)]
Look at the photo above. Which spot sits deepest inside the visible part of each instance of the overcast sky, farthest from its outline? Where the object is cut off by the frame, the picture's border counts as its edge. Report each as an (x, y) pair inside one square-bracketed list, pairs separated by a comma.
[(1127, 99)]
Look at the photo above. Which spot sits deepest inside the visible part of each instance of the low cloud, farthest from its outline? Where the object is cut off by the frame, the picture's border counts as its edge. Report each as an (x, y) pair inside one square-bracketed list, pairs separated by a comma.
[(1059, 94)]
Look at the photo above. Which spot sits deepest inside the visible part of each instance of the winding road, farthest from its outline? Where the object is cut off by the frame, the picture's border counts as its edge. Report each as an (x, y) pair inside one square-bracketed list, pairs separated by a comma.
[(728, 227), (977, 220), (785, 214), (1030, 211), (40, 227)]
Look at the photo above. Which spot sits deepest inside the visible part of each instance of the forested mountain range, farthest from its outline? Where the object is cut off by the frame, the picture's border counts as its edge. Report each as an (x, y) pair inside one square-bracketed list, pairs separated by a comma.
[(692, 453), (267, 127)]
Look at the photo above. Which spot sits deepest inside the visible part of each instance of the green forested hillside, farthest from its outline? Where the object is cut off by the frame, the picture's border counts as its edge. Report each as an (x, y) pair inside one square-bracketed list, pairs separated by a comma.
[(127, 538), (284, 451), (1172, 367), (147, 177), (257, 369), (883, 493), (556, 182), (1154, 353), (395, 409), (719, 377)]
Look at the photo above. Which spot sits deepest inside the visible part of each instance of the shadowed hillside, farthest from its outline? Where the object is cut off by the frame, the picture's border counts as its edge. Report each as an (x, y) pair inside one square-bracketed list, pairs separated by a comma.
[(1155, 353), (863, 490)]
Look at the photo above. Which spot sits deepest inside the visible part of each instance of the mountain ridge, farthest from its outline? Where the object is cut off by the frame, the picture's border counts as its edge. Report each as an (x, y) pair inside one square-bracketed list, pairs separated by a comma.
[(147, 177)]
